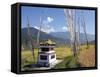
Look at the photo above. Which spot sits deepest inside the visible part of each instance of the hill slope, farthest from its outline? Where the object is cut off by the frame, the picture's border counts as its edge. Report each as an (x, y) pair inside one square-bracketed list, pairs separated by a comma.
[(66, 35), (43, 36)]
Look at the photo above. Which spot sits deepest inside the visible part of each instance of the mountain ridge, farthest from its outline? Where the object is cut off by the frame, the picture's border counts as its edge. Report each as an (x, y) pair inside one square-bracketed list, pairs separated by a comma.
[(58, 37)]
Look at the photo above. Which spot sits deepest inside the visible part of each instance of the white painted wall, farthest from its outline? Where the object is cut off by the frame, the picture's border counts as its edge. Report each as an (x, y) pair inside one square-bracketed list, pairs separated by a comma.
[(52, 60), (49, 60)]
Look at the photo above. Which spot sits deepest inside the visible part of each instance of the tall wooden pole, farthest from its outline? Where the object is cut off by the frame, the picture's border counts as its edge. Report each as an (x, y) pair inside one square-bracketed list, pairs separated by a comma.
[(70, 19), (78, 33), (38, 37), (30, 39), (84, 28)]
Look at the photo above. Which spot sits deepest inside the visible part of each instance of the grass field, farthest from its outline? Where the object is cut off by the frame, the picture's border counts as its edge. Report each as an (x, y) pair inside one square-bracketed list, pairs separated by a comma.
[(27, 58), (85, 58)]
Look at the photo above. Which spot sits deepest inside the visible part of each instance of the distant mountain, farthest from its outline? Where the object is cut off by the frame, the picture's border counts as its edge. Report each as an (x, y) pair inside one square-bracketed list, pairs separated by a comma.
[(92, 42), (66, 35), (63, 35), (43, 36), (61, 38)]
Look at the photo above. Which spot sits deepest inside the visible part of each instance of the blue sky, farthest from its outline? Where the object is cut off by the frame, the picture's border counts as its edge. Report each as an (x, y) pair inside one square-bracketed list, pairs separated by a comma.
[(53, 19)]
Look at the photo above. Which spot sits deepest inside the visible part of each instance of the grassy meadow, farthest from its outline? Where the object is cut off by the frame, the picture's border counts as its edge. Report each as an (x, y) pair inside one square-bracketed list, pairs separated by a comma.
[(84, 58)]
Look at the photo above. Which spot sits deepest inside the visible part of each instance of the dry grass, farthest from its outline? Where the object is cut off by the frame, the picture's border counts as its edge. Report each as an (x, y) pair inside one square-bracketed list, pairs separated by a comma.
[(63, 52), (27, 58), (87, 57)]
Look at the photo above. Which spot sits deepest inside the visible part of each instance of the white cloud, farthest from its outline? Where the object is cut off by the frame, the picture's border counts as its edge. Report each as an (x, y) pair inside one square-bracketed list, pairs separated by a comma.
[(36, 27), (47, 29), (51, 29), (64, 28), (50, 19)]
